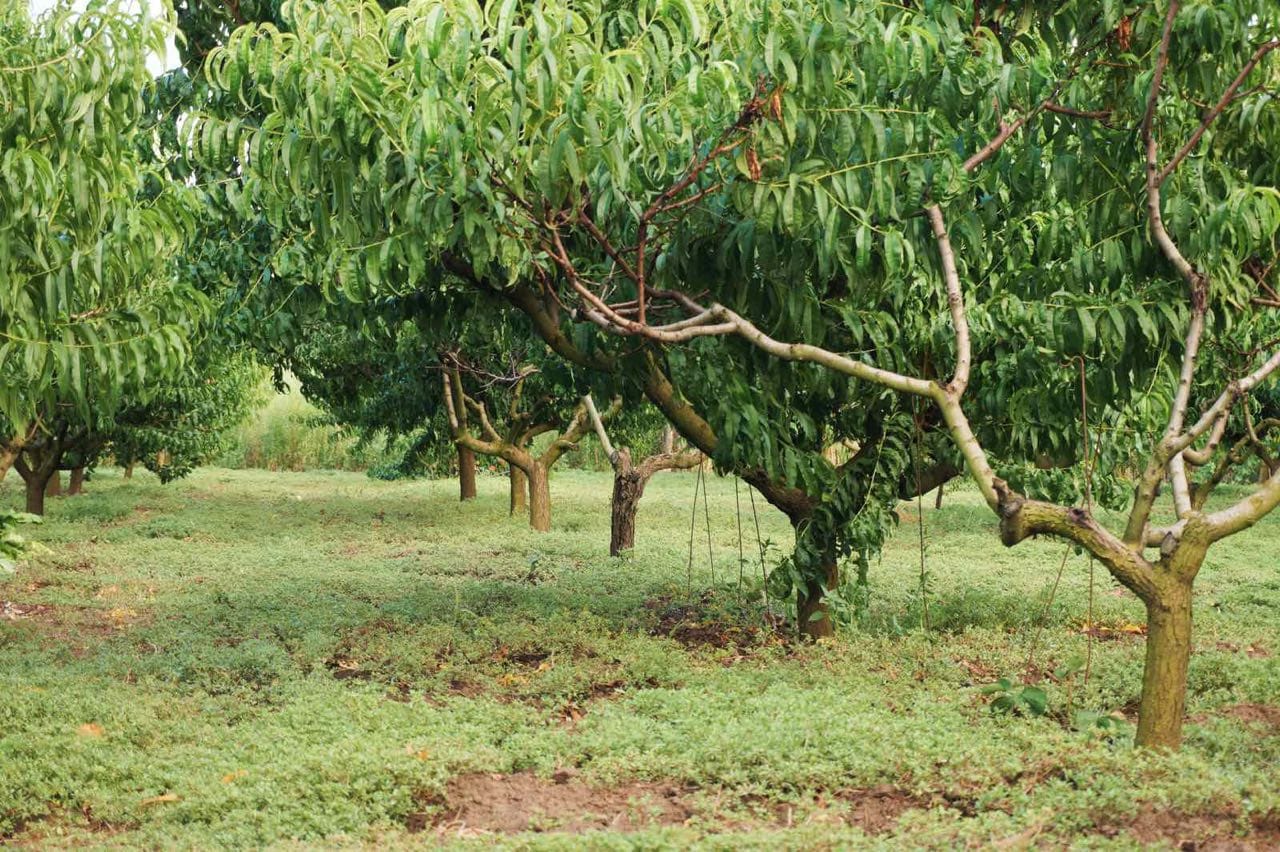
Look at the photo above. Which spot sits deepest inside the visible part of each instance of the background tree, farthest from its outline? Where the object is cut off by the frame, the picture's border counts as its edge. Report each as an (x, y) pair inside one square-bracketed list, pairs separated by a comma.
[(345, 87), (630, 477), (88, 228), (182, 423), (1032, 193)]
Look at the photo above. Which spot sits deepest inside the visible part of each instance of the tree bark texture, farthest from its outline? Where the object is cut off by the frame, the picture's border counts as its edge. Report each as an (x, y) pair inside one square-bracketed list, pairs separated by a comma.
[(539, 497), (519, 500), (466, 473)]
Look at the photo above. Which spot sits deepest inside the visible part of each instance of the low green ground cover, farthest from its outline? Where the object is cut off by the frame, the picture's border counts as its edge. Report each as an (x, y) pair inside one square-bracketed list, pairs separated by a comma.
[(247, 659)]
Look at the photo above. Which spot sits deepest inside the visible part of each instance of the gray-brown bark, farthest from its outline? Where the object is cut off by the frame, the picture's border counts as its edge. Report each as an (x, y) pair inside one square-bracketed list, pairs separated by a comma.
[(519, 485), (466, 474), (629, 481), (512, 447)]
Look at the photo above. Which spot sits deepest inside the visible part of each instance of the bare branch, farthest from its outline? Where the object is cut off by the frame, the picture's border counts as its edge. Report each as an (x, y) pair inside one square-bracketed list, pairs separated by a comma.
[(1180, 486), (1216, 110), (601, 433), (955, 300), (1247, 512)]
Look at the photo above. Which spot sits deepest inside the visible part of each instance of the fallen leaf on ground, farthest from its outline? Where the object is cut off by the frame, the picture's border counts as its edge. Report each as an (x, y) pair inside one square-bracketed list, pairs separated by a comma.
[(159, 800)]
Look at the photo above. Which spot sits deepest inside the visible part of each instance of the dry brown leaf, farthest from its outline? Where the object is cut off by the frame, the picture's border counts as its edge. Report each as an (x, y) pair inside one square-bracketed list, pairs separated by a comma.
[(160, 800)]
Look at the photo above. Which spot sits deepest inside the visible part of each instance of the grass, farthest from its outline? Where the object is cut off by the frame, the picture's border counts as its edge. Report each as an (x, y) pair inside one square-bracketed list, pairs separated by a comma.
[(256, 659)]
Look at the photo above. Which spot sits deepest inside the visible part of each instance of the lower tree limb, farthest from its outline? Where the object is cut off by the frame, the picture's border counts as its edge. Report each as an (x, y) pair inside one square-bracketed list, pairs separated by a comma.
[(466, 473)]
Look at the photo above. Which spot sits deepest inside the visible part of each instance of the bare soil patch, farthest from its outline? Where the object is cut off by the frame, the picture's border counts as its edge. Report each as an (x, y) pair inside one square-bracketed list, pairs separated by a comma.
[(1197, 832), (484, 803), (71, 625), (524, 802), (691, 625), (1258, 715)]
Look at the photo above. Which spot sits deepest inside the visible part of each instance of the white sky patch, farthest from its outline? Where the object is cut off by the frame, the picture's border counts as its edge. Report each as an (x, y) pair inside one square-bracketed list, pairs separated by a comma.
[(157, 65)]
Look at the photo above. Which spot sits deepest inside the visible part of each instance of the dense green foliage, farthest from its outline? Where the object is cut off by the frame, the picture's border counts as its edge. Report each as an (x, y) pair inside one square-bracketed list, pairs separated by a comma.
[(199, 627), (88, 229), (182, 423)]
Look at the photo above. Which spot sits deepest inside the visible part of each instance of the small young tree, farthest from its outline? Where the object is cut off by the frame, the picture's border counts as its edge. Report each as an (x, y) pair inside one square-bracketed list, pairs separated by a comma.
[(182, 423), (630, 478), (526, 413)]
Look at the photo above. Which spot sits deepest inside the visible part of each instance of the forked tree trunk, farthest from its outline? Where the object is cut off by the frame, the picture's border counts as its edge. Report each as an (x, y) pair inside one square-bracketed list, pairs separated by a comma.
[(76, 484), (539, 497), (466, 473), (812, 611), (519, 501)]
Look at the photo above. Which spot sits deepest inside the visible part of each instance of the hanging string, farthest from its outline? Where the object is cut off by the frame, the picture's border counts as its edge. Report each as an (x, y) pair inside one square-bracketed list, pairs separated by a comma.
[(693, 521), (915, 456), (764, 576), (1088, 505), (706, 514), (737, 507), (1044, 616)]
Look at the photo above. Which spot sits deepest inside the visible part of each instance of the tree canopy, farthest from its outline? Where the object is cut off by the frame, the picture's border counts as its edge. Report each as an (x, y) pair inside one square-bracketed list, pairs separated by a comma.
[(88, 226)]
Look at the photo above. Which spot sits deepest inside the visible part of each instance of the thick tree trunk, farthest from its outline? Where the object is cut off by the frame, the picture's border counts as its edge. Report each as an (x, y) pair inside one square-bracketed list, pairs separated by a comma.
[(539, 498), (1164, 677), (76, 484), (628, 488), (519, 491), (54, 486), (466, 473), (812, 612), (35, 492)]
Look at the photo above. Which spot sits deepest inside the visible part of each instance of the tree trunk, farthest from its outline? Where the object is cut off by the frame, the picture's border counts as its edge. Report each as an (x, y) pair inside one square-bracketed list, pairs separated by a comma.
[(812, 611), (76, 484), (519, 491), (1164, 677), (628, 488), (466, 473), (128, 470), (668, 445), (35, 492), (539, 498), (54, 487)]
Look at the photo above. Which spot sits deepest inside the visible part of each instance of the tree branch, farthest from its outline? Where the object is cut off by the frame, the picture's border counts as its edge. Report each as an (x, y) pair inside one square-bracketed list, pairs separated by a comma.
[(1216, 110)]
